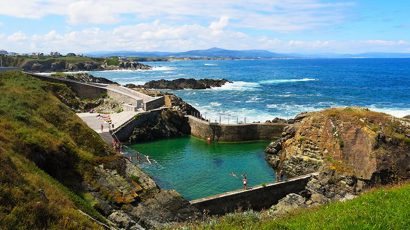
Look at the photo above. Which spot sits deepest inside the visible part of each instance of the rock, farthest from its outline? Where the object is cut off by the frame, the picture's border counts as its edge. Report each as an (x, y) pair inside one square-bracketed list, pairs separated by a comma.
[(288, 204), (165, 207), (278, 120), (353, 141), (352, 149), (348, 197), (123, 221), (161, 124), (183, 83), (317, 198)]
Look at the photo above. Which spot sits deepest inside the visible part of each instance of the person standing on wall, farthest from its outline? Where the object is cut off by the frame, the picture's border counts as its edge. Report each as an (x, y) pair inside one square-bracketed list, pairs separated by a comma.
[(245, 182)]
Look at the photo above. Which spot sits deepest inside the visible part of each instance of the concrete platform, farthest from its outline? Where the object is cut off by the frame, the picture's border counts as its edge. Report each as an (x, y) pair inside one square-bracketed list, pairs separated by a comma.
[(94, 122)]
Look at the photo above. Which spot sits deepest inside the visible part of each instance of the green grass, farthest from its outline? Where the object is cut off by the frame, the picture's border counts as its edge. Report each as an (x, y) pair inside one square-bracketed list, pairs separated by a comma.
[(44, 145), (382, 208)]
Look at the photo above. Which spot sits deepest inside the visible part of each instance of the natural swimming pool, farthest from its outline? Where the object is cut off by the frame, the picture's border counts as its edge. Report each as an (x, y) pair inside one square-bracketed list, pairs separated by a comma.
[(197, 169)]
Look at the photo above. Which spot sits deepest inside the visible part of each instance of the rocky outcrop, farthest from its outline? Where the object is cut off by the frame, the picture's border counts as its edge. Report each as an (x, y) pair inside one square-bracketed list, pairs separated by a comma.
[(183, 83), (162, 124), (131, 199), (351, 148), (176, 103), (165, 207), (287, 204)]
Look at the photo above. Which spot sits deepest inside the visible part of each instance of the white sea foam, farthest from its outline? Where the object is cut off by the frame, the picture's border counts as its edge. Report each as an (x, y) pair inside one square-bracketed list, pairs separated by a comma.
[(163, 68), (253, 99), (215, 104), (234, 115), (278, 81), (210, 64), (397, 112), (238, 85)]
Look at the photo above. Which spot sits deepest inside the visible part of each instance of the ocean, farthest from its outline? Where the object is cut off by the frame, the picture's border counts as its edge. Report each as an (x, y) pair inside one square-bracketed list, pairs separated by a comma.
[(265, 89)]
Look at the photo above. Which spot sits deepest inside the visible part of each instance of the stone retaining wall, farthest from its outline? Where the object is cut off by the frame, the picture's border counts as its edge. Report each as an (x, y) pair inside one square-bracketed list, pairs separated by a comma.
[(83, 90), (154, 103), (232, 133), (257, 198)]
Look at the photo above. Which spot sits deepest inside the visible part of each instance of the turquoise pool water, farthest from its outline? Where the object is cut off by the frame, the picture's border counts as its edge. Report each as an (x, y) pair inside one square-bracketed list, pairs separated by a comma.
[(197, 169)]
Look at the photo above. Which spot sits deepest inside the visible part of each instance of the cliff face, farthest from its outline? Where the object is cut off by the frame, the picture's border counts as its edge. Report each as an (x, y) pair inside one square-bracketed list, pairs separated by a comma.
[(370, 146), (350, 148)]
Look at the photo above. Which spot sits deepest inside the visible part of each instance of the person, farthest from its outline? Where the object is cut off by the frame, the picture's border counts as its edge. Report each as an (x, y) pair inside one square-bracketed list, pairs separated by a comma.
[(112, 126), (209, 140), (245, 182), (102, 127), (282, 175)]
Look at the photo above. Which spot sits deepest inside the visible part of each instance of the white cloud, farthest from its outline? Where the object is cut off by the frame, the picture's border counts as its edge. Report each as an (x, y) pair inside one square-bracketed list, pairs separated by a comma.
[(220, 24), (157, 35), (17, 37), (274, 15), (386, 42)]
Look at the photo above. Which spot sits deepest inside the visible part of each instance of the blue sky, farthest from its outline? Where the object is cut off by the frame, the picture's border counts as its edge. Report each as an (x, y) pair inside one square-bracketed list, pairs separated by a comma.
[(302, 26)]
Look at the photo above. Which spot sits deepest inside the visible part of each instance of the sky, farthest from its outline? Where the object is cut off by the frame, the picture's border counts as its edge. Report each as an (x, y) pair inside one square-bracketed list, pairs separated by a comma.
[(291, 26)]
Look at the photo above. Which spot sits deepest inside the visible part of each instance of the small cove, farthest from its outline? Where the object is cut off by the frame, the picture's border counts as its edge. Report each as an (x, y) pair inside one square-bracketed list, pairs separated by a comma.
[(197, 169)]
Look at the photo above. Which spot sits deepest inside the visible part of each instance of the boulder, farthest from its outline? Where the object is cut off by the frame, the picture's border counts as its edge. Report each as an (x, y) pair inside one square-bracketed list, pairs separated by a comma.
[(288, 204), (123, 221), (165, 207)]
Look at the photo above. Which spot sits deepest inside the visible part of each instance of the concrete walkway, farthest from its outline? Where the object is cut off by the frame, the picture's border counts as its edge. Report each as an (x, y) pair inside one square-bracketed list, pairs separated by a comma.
[(94, 122)]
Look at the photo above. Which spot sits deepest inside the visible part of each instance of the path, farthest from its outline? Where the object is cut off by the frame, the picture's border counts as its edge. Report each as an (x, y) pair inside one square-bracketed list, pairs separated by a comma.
[(95, 122)]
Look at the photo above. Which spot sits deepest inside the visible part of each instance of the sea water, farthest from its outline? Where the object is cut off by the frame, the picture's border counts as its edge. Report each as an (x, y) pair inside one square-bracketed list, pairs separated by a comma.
[(197, 169), (264, 89)]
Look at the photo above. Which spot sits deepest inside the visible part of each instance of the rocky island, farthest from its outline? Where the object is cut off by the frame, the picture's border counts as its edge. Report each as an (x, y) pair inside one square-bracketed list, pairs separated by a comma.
[(182, 83)]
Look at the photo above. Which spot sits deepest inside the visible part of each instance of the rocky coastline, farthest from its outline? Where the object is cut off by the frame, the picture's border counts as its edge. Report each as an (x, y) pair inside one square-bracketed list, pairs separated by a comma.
[(182, 83), (350, 149), (51, 65)]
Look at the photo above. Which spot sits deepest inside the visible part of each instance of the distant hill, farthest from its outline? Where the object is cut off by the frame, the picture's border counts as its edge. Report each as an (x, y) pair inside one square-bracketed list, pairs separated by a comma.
[(208, 53), (217, 52)]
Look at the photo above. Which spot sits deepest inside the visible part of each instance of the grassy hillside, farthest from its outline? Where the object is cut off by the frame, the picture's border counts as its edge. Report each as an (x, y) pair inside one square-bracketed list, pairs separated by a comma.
[(382, 208), (46, 152)]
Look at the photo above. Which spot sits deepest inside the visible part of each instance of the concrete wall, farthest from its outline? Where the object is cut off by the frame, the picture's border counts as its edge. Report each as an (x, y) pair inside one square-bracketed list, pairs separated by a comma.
[(257, 198), (232, 133), (123, 98), (154, 103), (83, 90), (124, 132)]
